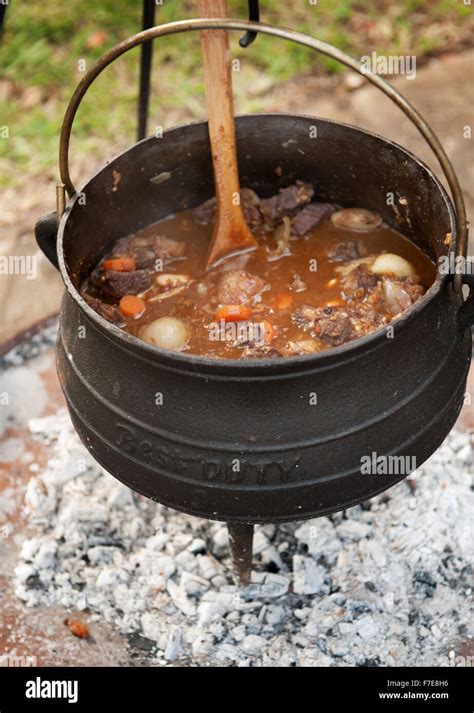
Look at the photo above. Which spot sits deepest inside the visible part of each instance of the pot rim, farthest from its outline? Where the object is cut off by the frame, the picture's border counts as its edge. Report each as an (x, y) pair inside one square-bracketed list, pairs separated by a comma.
[(193, 362)]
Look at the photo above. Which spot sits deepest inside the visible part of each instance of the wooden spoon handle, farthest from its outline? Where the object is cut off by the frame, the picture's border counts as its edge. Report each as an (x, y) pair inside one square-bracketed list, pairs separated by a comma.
[(231, 233), (219, 102)]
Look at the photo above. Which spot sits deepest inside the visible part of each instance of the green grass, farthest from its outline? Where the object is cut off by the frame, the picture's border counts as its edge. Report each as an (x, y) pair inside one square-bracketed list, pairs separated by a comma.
[(45, 39)]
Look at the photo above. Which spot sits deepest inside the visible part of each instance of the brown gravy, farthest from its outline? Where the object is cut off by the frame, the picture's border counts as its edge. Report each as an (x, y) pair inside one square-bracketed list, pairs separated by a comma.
[(304, 276)]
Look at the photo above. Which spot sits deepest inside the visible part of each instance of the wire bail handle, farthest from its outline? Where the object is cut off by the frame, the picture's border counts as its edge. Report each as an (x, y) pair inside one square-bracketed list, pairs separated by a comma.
[(252, 28)]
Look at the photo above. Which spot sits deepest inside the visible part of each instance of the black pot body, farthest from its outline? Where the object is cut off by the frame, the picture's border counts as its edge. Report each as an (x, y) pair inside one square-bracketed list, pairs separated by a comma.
[(262, 441)]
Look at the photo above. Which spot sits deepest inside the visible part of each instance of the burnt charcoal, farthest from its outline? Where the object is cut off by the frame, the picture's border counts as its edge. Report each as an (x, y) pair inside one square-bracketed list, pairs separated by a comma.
[(309, 217), (117, 284), (240, 287), (109, 312), (424, 584), (140, 644), (370, 663), (343, 252), (34, 582), (286, 202)]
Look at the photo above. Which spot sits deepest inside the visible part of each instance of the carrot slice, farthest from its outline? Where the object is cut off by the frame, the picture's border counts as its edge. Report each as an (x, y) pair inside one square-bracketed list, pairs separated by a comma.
[(233, 313), (121, 264), (131, 306), (283, 301)]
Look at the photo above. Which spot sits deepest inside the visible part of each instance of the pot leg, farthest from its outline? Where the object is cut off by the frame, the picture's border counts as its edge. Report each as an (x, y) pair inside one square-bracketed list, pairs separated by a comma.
[(240, 543)]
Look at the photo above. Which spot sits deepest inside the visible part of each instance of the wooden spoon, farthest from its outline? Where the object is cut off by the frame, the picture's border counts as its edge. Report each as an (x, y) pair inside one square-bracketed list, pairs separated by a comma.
[(231, 233)]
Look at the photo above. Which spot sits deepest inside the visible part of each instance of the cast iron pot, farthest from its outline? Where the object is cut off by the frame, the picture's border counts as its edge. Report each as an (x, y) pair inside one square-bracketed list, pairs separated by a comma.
[(242, 441)]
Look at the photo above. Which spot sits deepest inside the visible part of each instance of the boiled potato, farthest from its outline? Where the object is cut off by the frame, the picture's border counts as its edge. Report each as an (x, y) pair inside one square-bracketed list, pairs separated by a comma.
[(167, 333), (391, 264)]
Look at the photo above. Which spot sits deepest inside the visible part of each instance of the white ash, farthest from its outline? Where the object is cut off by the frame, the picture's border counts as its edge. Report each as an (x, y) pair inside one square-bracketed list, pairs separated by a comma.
[(385, 584)]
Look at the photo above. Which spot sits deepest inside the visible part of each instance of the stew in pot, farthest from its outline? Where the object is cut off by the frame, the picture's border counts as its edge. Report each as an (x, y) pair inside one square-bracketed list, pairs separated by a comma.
[(320, 277)]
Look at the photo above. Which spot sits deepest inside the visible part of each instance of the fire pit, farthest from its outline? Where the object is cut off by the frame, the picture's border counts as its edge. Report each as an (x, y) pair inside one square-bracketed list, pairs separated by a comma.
[(243, 442)]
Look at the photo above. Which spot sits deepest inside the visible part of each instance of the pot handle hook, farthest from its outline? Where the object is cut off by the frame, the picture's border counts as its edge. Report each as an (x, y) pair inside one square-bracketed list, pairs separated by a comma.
[(46, 229), (254, 16)]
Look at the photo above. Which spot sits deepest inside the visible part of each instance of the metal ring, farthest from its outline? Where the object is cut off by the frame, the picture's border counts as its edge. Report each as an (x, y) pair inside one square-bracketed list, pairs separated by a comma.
[(286, 34)]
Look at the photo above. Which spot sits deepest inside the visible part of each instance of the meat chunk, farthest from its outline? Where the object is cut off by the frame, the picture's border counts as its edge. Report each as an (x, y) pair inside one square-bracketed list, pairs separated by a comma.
[(337, 325), (117, 284), (375, 297), (251, 207), (334, 327), (342, 252), (300, 346), (206, 212), (413, 287), (109, 312), (269, 212), (240, 287), (306, 315), (330, 325), (309, 217), (358, 283), (286, 202), (365, 319), (147, 249), (260, 351), (120, 249)]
